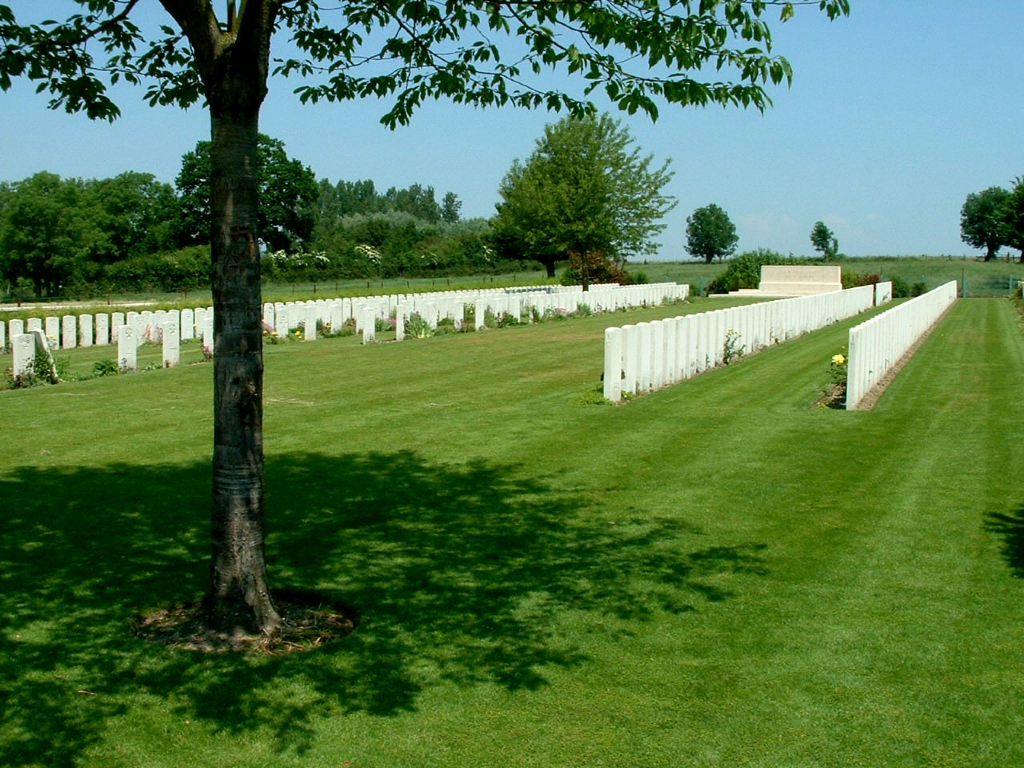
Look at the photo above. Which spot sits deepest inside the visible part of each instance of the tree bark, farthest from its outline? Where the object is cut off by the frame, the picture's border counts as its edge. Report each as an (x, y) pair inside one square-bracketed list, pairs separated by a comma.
[(239, 591), (233, 63)]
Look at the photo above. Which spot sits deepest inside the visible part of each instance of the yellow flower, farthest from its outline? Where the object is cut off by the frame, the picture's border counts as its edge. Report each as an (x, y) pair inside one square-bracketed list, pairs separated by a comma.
[(838, 359)]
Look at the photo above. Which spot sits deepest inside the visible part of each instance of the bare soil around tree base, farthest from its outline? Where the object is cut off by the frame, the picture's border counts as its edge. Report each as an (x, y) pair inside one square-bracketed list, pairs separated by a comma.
[(309, 621)]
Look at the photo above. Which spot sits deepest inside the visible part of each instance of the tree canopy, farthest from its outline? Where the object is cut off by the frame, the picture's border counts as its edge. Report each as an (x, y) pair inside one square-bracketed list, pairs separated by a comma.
[(824, 241), (710, 234), (288, 195), (585, 188), (59, 233), (1011, 217), (636, 53), (981, 225)]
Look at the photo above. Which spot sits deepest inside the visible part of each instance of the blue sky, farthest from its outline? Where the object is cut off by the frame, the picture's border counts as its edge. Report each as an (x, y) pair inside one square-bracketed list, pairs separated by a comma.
[(895, 114)]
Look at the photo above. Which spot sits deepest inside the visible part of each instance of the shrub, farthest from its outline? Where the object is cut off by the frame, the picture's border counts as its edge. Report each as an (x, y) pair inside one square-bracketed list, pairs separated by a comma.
[(105, 367), (417, 327), (900, 289), (600, 269), (744, 271)]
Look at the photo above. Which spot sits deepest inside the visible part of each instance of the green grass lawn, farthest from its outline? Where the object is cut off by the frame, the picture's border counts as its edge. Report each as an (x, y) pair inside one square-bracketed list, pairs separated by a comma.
[(714, 575)]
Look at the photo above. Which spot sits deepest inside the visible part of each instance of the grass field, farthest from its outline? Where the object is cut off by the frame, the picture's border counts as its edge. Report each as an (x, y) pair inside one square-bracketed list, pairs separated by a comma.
[(714, 575)]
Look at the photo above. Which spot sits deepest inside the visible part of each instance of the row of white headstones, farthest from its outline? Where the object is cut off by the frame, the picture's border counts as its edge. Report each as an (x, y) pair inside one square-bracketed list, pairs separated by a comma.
[(878, 344), (170, 327), (645, 357)]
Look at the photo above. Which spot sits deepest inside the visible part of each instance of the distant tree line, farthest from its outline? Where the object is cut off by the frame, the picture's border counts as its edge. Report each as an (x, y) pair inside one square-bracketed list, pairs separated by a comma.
[(586, 197), (131, 233)]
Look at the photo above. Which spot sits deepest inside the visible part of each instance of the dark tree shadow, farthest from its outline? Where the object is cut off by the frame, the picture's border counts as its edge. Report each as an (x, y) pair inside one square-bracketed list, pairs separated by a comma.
[(1011, 528), (458, 571)]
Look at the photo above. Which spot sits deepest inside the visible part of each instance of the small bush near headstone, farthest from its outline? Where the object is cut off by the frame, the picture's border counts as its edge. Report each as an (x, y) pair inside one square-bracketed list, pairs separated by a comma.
[(918, 289), (417, 327), (105, 367)]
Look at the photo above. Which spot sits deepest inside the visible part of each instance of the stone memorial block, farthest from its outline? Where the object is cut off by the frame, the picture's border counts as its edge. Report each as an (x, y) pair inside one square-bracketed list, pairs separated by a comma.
[(16, 328), (116, 321), (23, 348), (69, 332), (128, 347), (85, 330), (3, 337), (52, 332), (172, 347), (268, 316), (33, 324), (479, 314)]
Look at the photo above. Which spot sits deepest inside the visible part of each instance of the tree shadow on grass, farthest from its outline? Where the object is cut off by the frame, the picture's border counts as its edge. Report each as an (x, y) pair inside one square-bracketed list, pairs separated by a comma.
[(1011, 528), (462, 574)]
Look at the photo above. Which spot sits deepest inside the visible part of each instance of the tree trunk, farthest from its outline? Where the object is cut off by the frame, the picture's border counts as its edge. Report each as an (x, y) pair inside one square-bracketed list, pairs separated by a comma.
[(239, 597)]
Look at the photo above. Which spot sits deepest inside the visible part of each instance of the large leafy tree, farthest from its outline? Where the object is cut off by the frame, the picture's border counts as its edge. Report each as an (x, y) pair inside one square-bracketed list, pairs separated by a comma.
[(980, 222), (824, 241), (710, 234), (53, 231), (585, 188), (638, 53), (288, 193), (139, 215), (59, 233), (1011, 217)]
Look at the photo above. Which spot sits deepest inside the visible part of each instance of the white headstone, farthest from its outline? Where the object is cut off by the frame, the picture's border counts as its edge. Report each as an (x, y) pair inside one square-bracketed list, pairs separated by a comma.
[(85, 330), (368, 320), (16, 328), (171, 345), (401, 315), (149, 330), (309, 326), (613, 364), (52, 332), (3, 337), (479, 314), (208, 334), (34, 324), (69, 332), (188, 324), (23, 348), (102, 330), (127, 347)]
